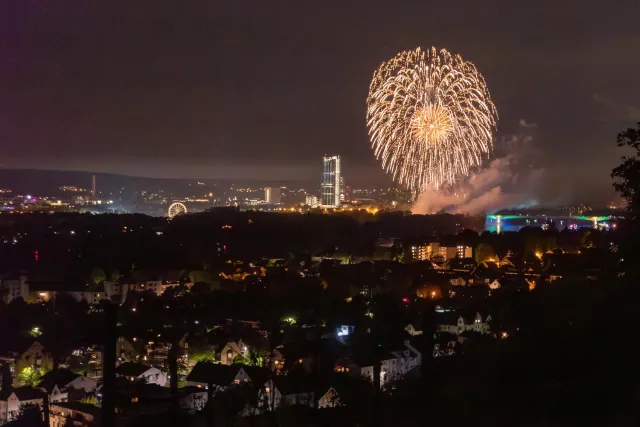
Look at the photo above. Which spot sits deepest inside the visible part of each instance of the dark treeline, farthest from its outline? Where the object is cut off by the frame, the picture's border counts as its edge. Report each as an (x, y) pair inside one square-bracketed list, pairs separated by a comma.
[(79, 243)]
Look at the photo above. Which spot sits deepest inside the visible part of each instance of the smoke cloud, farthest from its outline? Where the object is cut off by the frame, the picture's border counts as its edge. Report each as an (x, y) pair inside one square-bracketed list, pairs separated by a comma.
[(508, 182)]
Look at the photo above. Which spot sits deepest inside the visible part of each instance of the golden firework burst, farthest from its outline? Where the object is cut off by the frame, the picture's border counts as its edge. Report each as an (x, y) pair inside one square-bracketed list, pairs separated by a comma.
[(430, 118), (431, 124)]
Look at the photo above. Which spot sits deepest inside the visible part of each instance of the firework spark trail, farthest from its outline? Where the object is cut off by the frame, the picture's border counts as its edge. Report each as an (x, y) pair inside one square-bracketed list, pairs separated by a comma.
[(430, 118)]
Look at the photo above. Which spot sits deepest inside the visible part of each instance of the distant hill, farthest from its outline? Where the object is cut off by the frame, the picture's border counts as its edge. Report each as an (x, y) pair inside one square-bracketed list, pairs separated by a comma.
[(48, 182)]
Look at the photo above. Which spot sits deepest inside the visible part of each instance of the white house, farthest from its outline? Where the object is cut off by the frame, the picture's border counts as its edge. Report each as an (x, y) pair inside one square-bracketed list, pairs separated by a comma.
[(57, 395), (478, 325), (330, 399), (12, 400), (396, 364), (66, 382), (94, 294), (269, 396), (139, 372), (286, 391)]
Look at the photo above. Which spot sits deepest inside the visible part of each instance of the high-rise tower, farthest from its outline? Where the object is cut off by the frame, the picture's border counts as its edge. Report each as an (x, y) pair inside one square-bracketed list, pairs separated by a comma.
[(330, 186)]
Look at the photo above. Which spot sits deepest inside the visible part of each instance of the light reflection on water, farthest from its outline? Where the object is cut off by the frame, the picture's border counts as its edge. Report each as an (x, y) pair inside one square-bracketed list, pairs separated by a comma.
[(507, 223)]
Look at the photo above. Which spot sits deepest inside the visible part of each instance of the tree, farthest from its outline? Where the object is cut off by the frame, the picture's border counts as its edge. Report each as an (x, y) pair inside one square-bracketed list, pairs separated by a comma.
[(239, 360), (98, 276), (627, 173), (115, 276), (257, 357), (90, 400), (29, 376), (201, 352)]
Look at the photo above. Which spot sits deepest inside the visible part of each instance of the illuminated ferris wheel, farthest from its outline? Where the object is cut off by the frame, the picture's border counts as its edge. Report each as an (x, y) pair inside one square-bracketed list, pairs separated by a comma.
[(177, 209)]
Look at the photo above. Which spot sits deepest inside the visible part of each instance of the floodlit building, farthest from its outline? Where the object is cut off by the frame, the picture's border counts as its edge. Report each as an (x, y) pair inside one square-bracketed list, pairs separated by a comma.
[(312, 201), (272, 195), (459, 251), (330, 186), (425, 251)]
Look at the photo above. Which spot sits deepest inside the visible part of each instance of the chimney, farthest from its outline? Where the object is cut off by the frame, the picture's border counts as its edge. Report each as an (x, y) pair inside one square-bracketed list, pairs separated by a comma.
[(93, 187)]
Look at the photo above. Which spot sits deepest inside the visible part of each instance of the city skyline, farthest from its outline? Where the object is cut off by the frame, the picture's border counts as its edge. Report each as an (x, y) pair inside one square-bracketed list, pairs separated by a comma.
[(202, 99)]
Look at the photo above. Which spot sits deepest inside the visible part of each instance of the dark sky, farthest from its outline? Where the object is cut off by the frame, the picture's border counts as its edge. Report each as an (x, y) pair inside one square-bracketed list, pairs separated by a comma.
[(263, 88)]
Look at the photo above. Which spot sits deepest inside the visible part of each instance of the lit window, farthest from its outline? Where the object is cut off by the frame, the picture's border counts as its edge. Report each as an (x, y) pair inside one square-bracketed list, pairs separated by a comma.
[(134, 400), (299, 360), (267, 389), (236, 381)]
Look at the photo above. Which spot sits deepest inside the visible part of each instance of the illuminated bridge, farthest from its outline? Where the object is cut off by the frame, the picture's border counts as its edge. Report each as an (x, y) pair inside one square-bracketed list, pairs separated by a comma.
[(500, 223)]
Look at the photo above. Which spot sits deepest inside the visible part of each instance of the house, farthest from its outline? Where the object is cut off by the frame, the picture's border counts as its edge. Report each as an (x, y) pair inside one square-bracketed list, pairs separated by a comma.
[(513, 283), (80, 414), (231, 350), (394, 365), (291, 390), (139, 372), (455, 324), (45, 290), (192, 397), (302, 391), (157, 352), (458, 251), (219, 376), (401, 362), (305, 355), (74, 385), (269, 396), (445, 348), (92, 356), (145, 281), (11, 401), (56, 394), (94, 294), (277, 359), (329, 399), (14, 286), (34, 356)]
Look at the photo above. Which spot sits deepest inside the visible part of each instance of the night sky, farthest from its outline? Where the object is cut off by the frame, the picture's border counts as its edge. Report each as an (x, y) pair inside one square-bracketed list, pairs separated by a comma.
[(262, 89)]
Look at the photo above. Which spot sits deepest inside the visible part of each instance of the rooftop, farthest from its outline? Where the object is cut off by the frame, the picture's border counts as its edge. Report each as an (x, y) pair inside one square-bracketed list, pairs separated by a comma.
[(132, 369), (207, 372)]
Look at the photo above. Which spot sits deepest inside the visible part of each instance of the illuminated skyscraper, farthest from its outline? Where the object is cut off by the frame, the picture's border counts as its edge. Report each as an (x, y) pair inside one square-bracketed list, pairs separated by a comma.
[(272, 195), (330, 186), (343, 190)]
